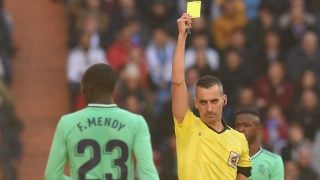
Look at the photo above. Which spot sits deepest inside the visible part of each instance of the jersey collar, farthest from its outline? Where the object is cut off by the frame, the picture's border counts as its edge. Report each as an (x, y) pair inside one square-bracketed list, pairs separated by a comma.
[(256, 154), (101, 105), (224, 125)]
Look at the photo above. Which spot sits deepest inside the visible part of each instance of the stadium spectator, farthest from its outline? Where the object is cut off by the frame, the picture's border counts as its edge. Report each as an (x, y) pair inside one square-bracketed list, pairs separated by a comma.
[(256, 28), (119, 51), (159, 53), (235, 73), (162, 14), (308, 81), (275, 129), (10, 130), (304, 162), (200, 26), (295, 139), (252, 8), (291, 171), (274, 88), (231, 18), (169, 160), (307, 112), (6, 44), (306, 55), (295, 23), (123, 14), (200, 44), (130, 91), (271, 51), (79, 59)]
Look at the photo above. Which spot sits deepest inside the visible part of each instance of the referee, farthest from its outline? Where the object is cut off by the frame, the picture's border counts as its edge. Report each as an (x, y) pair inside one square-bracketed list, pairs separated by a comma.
[(206, 147), (265, 164)]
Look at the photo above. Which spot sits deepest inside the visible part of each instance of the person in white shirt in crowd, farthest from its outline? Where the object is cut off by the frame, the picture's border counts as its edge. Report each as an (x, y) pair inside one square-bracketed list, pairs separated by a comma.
[(79, 60), (200, 41), (159, 53)]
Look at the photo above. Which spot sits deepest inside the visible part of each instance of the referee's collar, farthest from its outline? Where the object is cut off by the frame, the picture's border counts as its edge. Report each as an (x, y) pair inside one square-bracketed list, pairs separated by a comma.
[(101, 105), (224, 129)]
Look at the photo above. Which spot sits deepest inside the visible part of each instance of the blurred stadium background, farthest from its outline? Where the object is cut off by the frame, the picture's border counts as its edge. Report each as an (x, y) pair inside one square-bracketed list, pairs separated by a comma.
[(265, 51)]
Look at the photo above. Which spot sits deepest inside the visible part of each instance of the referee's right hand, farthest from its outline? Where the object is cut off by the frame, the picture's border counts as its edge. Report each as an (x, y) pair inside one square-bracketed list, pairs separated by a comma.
[(184, 22)]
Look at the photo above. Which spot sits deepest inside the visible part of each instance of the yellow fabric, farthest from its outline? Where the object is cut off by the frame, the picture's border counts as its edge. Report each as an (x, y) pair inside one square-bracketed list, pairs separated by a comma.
[(223, 26), (205, 154)]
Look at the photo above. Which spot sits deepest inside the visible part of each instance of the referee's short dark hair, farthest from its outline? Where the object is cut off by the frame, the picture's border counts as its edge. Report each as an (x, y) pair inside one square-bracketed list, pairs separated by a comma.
[(97, 80), (208, 81)]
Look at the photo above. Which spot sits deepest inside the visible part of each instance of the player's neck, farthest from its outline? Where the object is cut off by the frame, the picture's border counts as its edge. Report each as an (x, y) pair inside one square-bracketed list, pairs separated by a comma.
[(103, 100), (254, 147)]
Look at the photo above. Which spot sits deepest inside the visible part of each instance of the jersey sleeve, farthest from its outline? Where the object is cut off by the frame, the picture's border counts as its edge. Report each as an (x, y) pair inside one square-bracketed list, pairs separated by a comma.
[(244, 160), (181, 128), (277, 171), (143, 153), (57, 157)]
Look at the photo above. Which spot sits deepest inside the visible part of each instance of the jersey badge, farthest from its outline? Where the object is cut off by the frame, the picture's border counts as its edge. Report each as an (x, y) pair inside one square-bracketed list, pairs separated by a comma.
[(233, 159)]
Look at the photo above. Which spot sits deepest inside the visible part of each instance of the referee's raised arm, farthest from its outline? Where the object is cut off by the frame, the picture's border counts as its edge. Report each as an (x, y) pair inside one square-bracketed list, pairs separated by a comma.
[(180, 103)]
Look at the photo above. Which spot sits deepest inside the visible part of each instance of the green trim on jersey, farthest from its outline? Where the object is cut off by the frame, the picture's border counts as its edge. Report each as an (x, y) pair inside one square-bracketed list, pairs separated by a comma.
[(266, 166), (100, 142)]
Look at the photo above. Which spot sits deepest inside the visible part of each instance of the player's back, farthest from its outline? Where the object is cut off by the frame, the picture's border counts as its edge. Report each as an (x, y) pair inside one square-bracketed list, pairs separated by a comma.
[(100, 141)]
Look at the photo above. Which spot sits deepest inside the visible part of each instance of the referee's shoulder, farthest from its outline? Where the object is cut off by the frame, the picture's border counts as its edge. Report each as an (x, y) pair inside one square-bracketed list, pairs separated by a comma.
[(233, 130), (236, 133)]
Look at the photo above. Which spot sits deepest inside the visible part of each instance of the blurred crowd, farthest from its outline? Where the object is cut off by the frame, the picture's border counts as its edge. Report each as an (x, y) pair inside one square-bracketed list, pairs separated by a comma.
[(10, 124), (266, 52)]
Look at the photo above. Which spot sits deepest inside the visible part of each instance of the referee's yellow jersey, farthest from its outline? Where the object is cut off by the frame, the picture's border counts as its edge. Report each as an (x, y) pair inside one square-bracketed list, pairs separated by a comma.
[(204, 154)]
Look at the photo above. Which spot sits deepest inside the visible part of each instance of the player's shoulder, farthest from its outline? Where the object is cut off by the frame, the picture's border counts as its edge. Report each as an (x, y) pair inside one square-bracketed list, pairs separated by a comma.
[(71, 116), (131, 115), (237, 135), (271, 155)]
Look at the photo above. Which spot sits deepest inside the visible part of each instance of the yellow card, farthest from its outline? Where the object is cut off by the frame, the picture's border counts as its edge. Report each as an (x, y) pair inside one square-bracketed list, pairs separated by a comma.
[(194, 9)]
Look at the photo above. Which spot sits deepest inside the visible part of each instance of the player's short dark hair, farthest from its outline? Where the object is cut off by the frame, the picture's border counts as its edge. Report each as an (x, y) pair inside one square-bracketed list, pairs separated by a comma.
[(251, 111), (99, 79), (247, 111), (207, 81)]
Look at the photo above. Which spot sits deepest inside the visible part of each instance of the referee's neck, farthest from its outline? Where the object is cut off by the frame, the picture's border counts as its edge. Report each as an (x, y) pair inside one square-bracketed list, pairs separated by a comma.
[(217, 126)]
